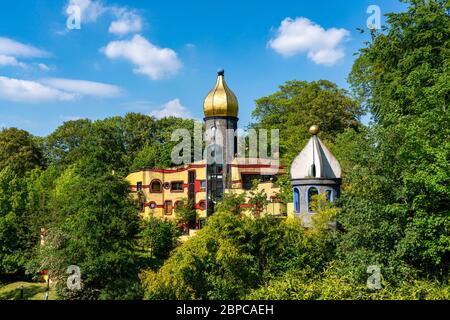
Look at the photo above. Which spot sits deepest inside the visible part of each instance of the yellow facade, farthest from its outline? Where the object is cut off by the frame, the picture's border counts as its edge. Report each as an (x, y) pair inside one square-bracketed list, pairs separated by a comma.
[(160, 194), (159, 190)]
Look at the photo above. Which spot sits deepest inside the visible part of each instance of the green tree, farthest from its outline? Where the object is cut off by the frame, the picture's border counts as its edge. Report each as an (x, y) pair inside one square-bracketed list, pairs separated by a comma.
[(104, 150), (153, 155), (156, 153), (257, 200), (138, 130), (185, 212), (396, 207), (160, 236), (300, 104), (232, 202), (63, 145), (97, 230), (15, 242), (19, 151), (234, 255)]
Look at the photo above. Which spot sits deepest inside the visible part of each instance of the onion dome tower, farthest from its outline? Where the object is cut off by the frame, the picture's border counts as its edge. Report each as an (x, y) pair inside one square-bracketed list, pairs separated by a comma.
[(221, 111), (221, 101), (314, 171)]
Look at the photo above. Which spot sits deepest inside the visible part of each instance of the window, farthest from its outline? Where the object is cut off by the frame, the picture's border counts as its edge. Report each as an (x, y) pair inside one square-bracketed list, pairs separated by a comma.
[(296, 200), (202, 205), (312, 192), (168, 207), (329, 195), (203, 185), (275, 199), (177, 186), (155, 186), (139, 186), (247, 180), (267, 178), (152, 205)]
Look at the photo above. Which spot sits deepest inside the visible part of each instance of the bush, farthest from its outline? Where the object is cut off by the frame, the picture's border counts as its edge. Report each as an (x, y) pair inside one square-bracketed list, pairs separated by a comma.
[(159, 236)]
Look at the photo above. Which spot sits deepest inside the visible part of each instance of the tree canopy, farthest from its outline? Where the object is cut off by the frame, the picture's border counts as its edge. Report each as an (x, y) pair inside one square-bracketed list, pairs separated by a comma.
[(397, 211), (68, 189), (19, 151), (299, 105)]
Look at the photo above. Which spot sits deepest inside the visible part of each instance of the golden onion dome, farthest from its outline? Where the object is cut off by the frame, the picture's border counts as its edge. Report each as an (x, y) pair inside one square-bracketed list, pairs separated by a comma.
[(221, 101)]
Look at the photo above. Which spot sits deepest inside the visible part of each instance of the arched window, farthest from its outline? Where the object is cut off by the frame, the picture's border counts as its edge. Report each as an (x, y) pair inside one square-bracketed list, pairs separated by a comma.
[(155, 186), (168, 208), (296, 200), (329, 195), (311, 193)]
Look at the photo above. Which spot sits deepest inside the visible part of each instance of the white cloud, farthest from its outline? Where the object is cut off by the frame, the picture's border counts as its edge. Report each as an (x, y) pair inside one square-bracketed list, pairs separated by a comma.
[(300, 35), (84, 88), (127, 22), (10, 47), (90, 10), (149, 59), (17, 90), (43, 67), (173, 108), (53, 89), (10, 61)]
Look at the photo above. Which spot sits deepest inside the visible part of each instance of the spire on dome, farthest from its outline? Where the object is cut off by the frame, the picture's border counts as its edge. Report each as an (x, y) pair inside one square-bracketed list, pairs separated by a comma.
[(315, 161)]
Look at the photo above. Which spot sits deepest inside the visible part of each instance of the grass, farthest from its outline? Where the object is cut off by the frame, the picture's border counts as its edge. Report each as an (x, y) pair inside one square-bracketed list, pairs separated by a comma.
[(31, 291)]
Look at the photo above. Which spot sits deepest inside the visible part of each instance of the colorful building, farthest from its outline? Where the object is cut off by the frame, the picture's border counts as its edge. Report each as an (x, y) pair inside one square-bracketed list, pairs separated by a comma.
[(203, 183)]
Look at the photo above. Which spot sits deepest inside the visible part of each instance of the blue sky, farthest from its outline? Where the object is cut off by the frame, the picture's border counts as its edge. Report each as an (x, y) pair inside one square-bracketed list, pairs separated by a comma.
[(161, 57)]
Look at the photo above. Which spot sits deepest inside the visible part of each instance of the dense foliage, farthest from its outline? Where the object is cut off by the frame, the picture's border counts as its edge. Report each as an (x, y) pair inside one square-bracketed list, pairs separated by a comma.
[(63, 199), (160, 237), (396, 209), (19, 151), (68, 191), (234, 255), (300, 104)]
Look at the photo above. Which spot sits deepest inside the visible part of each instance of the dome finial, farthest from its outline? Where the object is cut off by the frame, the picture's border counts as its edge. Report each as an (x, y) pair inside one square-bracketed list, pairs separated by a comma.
[(314, 130), (221, 72)]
